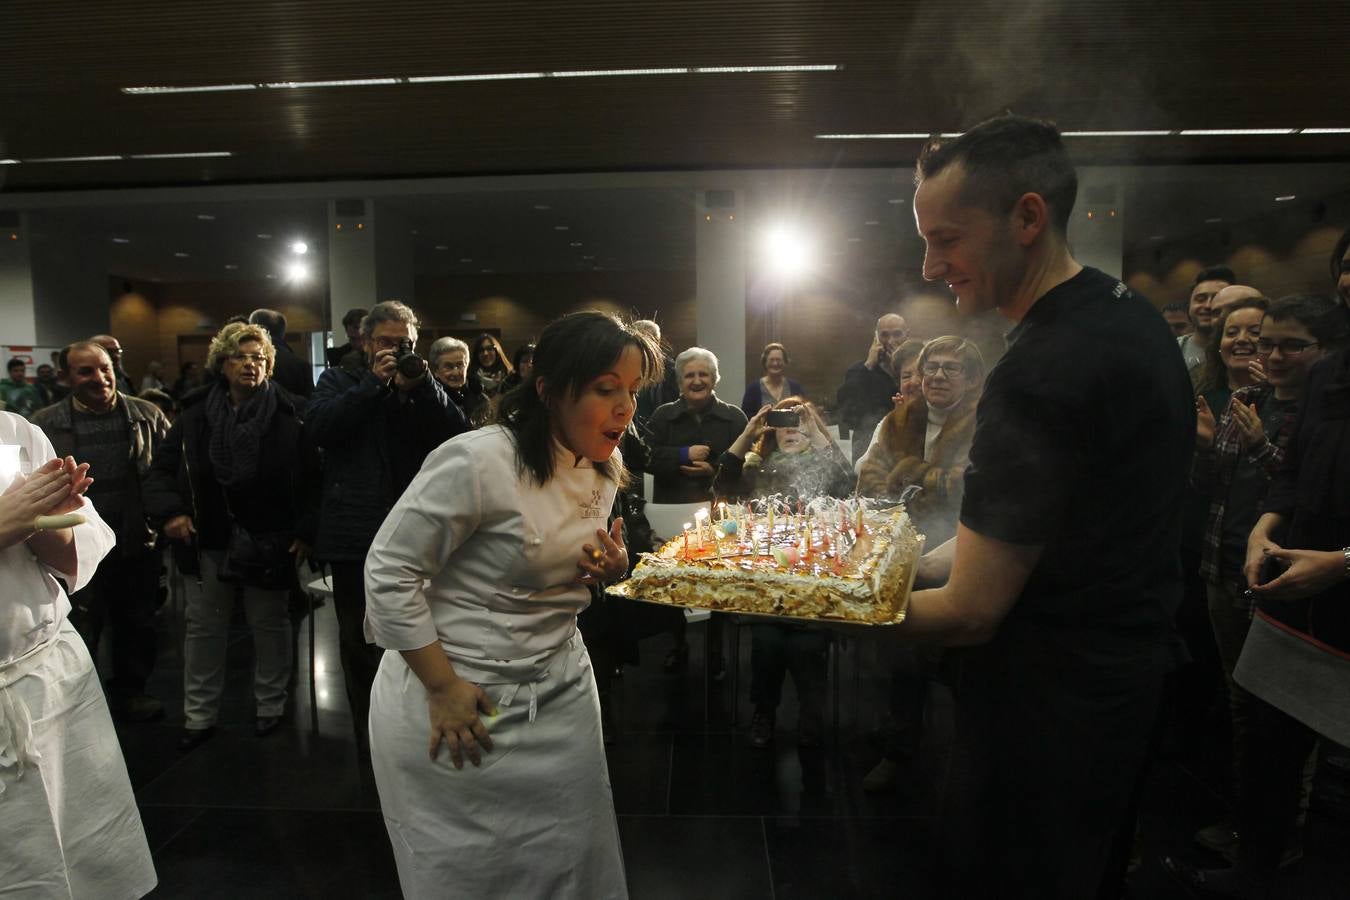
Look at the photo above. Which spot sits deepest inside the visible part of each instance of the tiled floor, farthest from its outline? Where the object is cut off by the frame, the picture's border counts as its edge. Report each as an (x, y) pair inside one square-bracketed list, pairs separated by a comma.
[(701, 814)]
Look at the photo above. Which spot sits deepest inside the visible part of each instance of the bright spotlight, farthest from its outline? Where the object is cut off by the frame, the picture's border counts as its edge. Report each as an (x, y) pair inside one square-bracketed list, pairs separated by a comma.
[(299, 248), (297, 272), (787, 251)]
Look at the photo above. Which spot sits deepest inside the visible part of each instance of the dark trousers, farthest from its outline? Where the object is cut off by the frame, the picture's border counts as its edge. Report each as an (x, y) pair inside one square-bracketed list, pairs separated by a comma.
[(121, 599), (1045, 773), (1272, 776), (360, 660), (913, 667), (776, 650)]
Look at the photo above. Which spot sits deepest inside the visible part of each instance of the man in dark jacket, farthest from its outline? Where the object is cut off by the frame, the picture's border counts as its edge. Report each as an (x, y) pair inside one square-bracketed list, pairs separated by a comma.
[(118, 435), (865, 396), (375, 426), (290, 371), (351, 324)]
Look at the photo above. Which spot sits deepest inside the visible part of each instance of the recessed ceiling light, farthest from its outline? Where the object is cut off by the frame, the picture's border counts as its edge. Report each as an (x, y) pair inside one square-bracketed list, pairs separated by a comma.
[(562, 228), (231, 265), (180, 254), (442, 247), (486, 271), (896, 201), (1284, 198), (297, 271), (73, 159), (1213, 132), (202, 154), (205, 217), (576, 243), (9, 162), (299, 248), (872, 222), (466, 259), (855, 240), (189, 89), (121, 240), (269, 275), (264, 237), (1155, 237), (542, 206), (339, 82), (588, 257), (1214, 221)]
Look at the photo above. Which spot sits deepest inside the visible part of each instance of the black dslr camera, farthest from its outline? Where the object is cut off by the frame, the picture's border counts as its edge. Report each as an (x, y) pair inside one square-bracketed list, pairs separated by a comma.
[(409, 364)]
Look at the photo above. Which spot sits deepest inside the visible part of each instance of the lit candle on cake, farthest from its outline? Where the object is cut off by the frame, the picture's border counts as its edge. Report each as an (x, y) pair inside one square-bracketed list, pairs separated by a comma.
[(858, 527), (699, 518), (687, 526)]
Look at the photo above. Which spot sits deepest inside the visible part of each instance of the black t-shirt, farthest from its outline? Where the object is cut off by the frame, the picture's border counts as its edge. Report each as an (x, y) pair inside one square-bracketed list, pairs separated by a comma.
[(1082, 444)]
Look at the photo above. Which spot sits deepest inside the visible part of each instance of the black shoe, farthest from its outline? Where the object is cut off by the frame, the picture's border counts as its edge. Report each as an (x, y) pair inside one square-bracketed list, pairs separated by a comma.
[(137, 708), (1210, 882), (193, 738), (266, 725), (677, 659)]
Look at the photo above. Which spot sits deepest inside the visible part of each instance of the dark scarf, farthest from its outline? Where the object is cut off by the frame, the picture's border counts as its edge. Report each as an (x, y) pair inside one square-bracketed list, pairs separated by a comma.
[(235, 448)]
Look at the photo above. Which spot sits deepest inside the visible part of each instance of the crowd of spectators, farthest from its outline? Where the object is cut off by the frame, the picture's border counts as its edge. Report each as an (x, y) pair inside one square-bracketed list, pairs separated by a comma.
[(251, 467)]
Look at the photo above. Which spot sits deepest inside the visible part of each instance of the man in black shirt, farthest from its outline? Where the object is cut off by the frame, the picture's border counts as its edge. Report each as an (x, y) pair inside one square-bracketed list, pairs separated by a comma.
[(1063, 578), (289, 370)]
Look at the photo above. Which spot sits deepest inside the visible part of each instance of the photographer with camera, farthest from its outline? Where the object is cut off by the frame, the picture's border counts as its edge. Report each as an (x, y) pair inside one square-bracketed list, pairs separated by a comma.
[(865, 396), (375, 417)]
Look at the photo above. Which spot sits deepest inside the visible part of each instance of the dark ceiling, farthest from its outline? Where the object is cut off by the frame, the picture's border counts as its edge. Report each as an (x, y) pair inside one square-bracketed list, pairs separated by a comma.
[(905, 67)]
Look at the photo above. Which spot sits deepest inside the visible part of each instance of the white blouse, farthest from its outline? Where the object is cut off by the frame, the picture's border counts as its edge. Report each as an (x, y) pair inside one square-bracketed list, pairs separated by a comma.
[(32, 603), (483, 559)]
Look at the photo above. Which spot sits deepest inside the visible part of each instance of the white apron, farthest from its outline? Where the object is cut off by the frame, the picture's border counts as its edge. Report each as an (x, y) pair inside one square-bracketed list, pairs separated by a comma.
[(69, 827), (535, 820)]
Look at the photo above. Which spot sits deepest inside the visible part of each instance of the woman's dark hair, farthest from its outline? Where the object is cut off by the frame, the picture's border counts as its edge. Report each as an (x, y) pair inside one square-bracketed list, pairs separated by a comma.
[(521, 352), (572, 352), (503, 364), (1338, 254), (1213, 374), (1324, 318), (769, 348)]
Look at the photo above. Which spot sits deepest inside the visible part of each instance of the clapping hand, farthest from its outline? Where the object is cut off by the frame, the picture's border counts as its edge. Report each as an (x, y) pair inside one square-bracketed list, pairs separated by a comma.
[(1248, 423), (607, 559), (52, 489), (1204, 423)]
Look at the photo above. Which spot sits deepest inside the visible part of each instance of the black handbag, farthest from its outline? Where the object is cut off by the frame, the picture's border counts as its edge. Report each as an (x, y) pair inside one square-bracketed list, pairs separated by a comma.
[(258, 560)]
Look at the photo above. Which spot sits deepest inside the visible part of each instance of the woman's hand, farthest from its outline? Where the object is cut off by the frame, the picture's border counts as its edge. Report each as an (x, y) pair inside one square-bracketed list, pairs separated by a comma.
[(1249, 425), (1308, 573), (180, 528), (1204, 423), (453, 711), (754, 429), (607, 559), (49, 490)]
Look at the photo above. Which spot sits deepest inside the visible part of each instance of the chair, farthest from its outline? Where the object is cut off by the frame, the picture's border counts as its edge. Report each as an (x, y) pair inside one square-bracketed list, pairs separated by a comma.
[(648, 486)]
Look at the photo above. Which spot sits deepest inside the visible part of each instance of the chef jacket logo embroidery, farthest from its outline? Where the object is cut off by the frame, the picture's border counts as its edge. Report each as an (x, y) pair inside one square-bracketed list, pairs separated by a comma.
[(592, 509)]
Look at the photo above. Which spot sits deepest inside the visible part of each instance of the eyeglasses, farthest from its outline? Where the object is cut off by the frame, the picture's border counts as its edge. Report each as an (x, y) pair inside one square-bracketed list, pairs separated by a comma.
[(1290, 347), (249, 357), (950, 369)]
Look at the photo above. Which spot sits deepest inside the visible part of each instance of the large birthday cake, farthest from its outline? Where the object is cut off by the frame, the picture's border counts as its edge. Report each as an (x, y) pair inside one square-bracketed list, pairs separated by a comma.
[(830, 559)]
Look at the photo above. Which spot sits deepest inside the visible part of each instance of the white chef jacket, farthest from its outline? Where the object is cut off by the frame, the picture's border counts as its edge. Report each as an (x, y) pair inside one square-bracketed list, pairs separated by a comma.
[(480, 557), (32, 604)]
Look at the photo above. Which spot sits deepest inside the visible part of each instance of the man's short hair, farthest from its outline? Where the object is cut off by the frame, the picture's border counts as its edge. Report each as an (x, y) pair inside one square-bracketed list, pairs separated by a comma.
[(63, 360), (353, 317), (1004, 158), (1324, 318), (274, 322), (389, 311), (15, 363), (1214, 273), (1176, 308)]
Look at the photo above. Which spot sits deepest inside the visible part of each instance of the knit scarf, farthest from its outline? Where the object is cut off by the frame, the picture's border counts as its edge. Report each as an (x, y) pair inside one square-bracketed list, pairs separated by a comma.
[(235, 448)]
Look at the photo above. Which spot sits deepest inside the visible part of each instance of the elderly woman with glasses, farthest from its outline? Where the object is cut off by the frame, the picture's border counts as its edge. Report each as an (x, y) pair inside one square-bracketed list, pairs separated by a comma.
[(228, 482)]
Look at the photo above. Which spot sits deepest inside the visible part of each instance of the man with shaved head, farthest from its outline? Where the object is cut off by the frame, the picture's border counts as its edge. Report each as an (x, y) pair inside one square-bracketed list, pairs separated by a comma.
[(1228, 297), (865, 396)]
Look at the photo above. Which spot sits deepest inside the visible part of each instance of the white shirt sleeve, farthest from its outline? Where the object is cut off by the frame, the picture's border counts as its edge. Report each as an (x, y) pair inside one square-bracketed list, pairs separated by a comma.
[(876, 438), (439, 511)]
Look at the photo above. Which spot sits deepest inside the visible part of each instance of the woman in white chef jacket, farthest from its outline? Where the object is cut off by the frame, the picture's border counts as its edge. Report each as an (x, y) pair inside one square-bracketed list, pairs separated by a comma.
[(476, 578), (68, 820)]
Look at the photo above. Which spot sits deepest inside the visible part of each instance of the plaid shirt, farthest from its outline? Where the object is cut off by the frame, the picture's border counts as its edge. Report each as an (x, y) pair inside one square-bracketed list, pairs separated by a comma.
[(1213, 468)]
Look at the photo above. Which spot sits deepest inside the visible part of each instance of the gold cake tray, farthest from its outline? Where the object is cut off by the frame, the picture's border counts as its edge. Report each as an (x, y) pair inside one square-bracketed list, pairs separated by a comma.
[(628, 591)]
